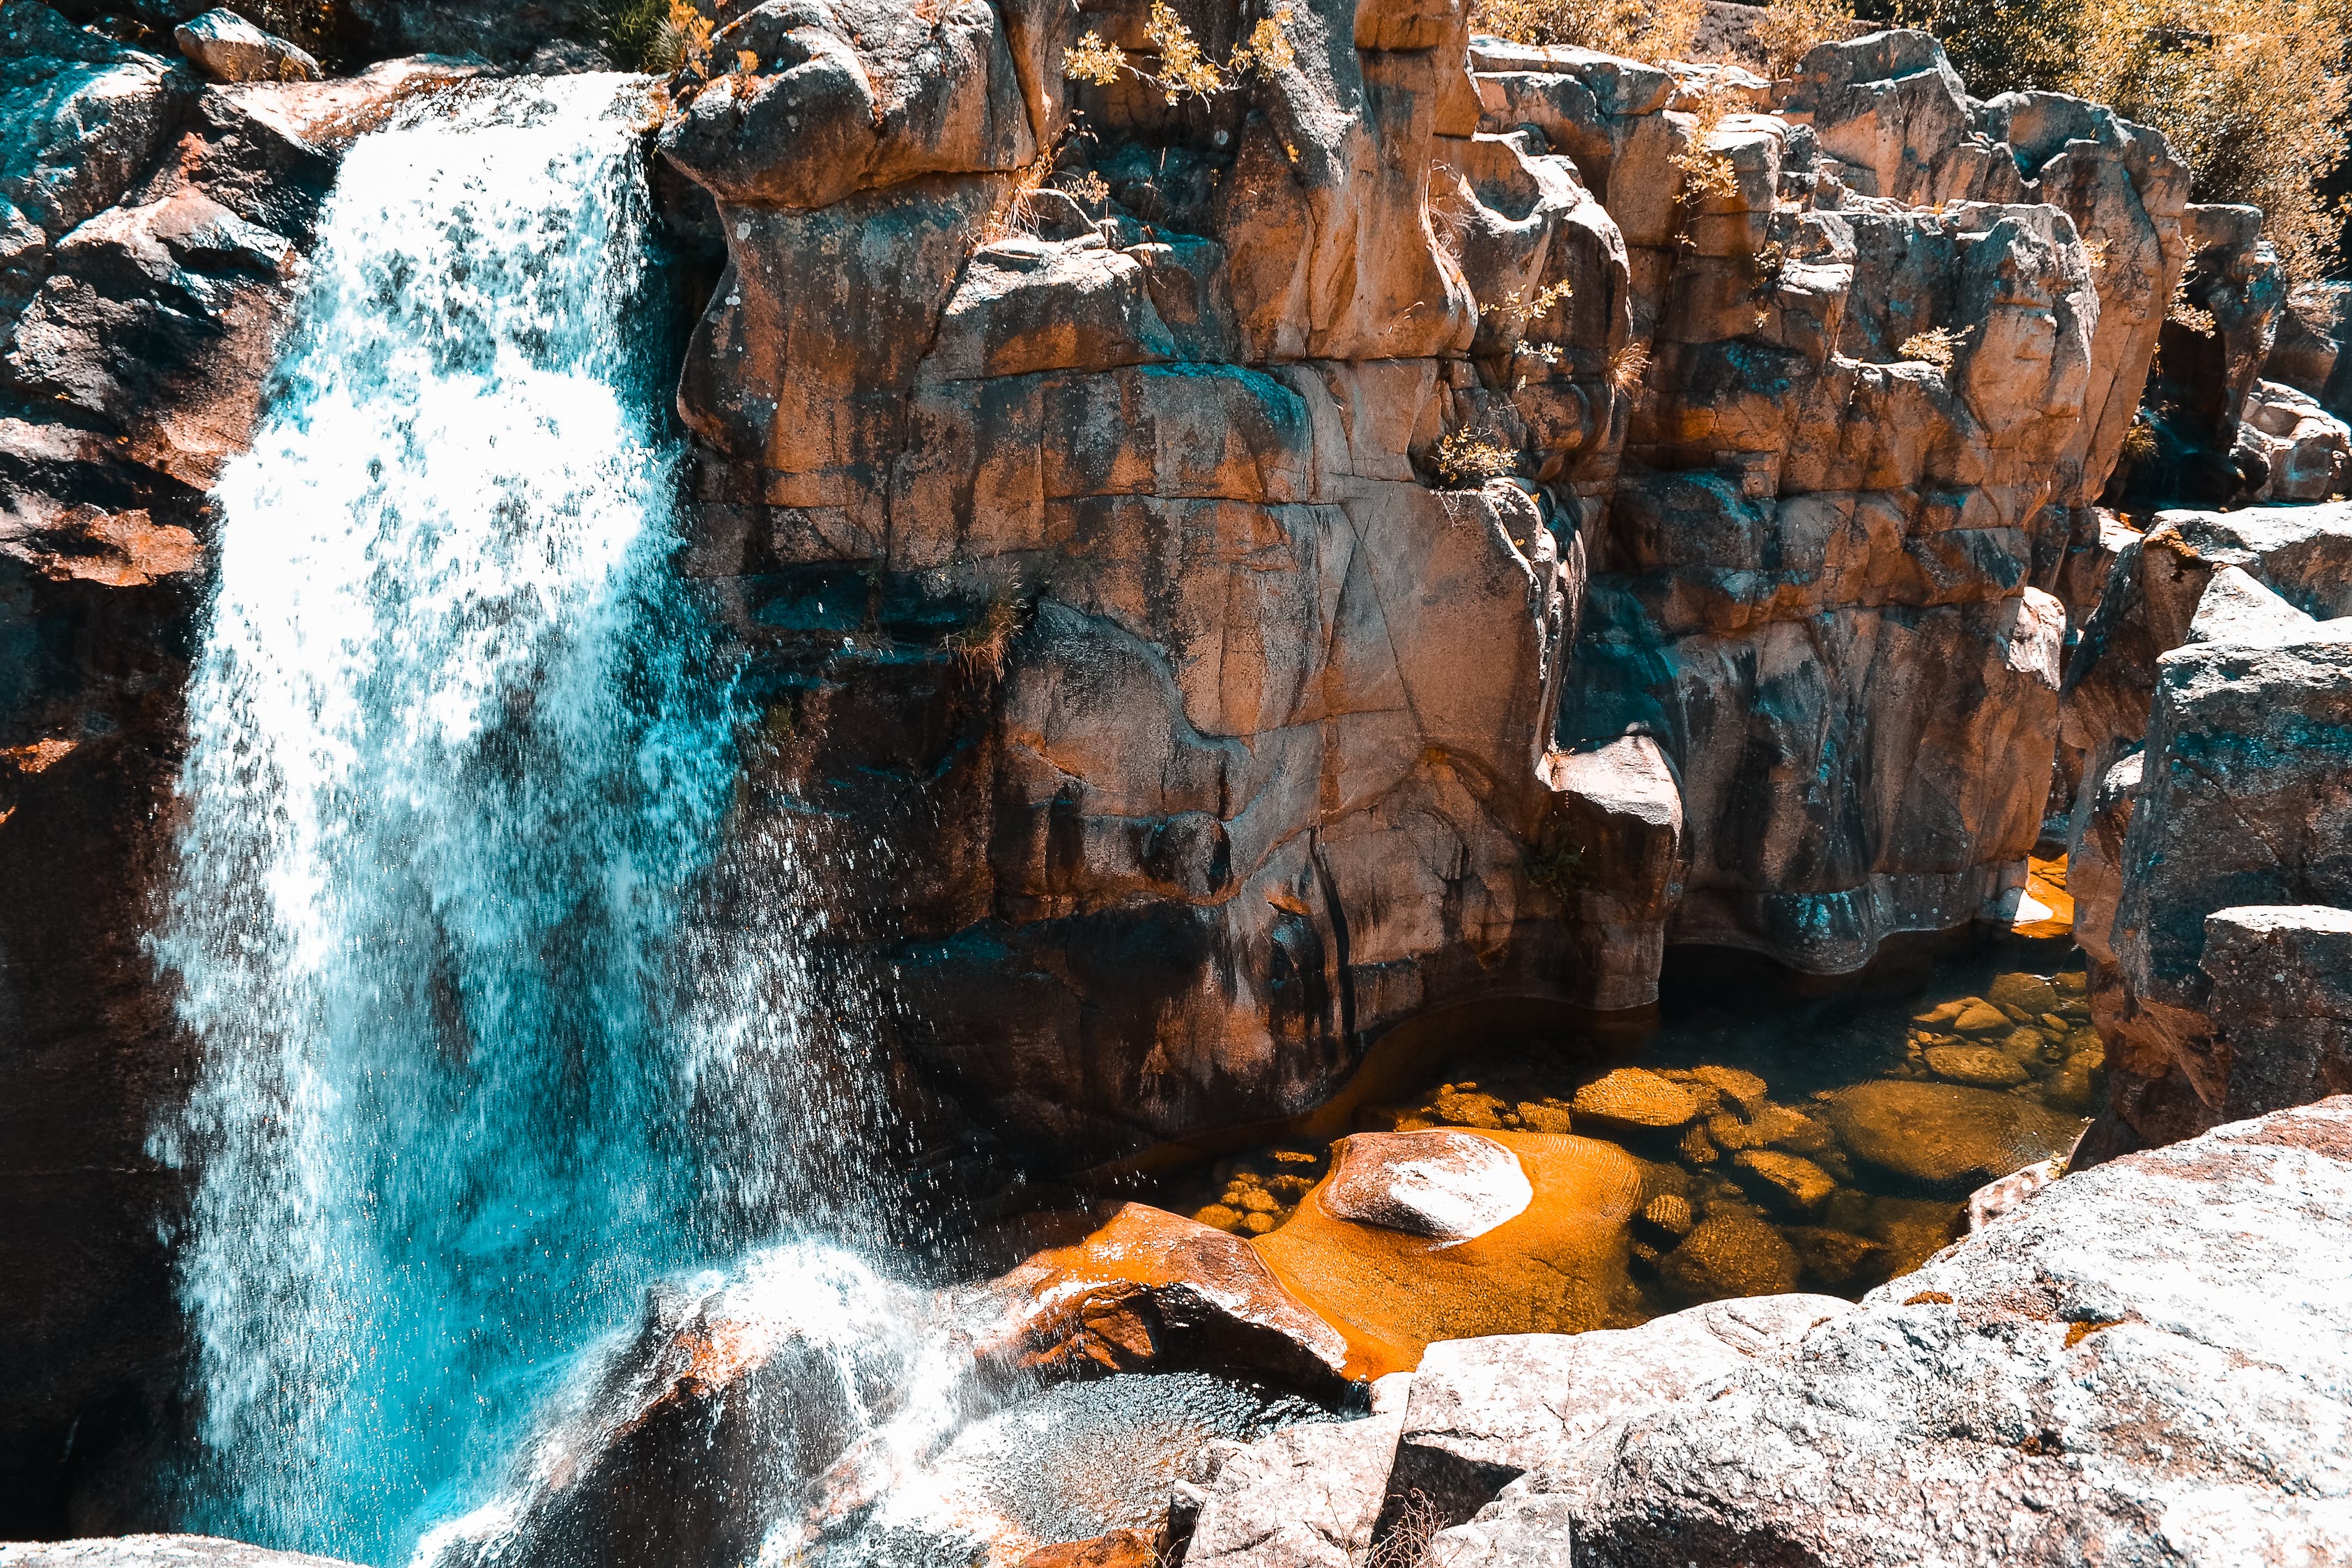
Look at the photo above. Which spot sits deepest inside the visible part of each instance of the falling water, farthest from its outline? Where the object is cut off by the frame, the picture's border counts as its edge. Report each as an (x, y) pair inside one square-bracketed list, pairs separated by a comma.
[(493, 1032)]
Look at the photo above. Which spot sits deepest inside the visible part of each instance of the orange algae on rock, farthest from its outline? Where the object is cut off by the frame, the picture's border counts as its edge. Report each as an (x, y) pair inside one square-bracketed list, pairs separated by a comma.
[(1558, 1266)]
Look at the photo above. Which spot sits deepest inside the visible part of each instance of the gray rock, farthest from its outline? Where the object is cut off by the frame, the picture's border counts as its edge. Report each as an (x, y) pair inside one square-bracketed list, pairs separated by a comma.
[(1306, 1497), (2240, 803), (228, 47), (2281, 1004), (2148, 1363), (154, 1551), (1484, 1411)]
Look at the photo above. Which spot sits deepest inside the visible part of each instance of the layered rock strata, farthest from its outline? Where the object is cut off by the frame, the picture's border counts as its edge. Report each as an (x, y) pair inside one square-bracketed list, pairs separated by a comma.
[(1093, 545)]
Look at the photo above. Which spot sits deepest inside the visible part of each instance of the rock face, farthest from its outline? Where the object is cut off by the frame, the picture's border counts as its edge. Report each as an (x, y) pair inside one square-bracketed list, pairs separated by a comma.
[(148, 225), (1087, 535), (2141, 1363), (2213, 829)]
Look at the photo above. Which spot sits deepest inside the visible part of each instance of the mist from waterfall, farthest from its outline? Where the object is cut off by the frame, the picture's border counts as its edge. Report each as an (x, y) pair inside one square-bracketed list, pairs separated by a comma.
[(500, 1019)]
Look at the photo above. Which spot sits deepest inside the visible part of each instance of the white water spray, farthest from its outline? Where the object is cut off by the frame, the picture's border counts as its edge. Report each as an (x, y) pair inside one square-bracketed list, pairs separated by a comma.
[(479, 1059)]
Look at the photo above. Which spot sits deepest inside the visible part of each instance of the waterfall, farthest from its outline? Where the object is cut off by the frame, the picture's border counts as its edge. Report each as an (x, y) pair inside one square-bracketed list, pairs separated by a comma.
[(499, 1021)]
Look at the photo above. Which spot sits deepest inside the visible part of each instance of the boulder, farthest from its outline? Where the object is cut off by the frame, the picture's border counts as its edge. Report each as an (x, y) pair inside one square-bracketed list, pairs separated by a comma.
[(1484, 1412), (1445, 1187), (1154, 1290), (1557, 1264), (2249, 729), (2147, 1362), (1307, 1496), (1944, 1136), (226, 47)]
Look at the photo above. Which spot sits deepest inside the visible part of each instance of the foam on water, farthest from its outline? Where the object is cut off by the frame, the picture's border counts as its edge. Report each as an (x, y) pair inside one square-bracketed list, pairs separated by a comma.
[(493, 1033)]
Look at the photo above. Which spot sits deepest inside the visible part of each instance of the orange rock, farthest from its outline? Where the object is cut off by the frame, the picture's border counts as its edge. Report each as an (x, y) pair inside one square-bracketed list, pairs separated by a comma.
[(1154, 1290), (1119, 1549), (1557, 1265)]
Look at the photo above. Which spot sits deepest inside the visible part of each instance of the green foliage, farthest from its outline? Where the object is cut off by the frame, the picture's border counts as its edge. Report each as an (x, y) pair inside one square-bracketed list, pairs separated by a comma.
[(655, 35), (1558, 870)]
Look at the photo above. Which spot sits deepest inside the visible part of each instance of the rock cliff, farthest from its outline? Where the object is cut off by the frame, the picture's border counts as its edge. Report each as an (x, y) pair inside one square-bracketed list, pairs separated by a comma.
[(1085, 472)]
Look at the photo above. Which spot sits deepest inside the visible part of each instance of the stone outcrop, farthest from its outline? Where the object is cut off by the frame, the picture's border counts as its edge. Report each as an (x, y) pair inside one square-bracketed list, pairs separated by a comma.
[(1092, 538), (2209, 699), (226, 47), (148, 230), (2144, 1362)]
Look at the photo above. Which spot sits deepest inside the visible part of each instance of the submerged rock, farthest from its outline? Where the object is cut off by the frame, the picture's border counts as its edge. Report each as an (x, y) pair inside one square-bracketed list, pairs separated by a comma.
[(1729, 1255), (1945, 1136), (1634, 1099)]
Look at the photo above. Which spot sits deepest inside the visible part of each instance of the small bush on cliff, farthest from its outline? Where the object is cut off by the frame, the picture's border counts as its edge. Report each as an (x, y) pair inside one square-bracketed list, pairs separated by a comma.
[(2252, 94), (657, 35), (1465, 459), (1652, 30), (1184, 69)]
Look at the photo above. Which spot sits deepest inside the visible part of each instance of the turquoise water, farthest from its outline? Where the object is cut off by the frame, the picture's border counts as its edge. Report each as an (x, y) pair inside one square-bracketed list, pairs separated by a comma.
[(492, 1034)]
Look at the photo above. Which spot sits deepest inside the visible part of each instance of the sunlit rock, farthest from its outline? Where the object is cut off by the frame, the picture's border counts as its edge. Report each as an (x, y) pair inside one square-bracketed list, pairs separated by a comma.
[(1559, 1265)]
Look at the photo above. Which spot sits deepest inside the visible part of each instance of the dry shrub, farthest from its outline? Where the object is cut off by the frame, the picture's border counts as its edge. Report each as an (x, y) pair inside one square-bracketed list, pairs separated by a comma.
[(1789, 29), (1184, 70), (1628, 366), (1933, 346), (658, 35), (1652, 30), (1704, 171), (1465, 459), (1406, 1544), (2252, 94)]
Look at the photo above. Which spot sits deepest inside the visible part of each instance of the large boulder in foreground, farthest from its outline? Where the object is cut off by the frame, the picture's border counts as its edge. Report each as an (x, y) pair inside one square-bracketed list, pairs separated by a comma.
[(2149, 1361)]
